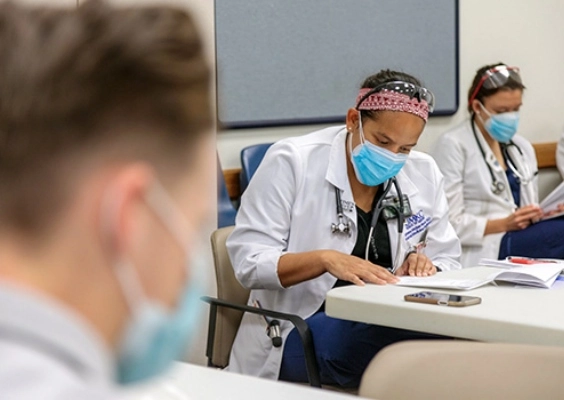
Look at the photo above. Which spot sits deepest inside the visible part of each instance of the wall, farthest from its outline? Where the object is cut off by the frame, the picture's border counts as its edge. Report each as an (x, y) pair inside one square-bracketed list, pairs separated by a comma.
[(518, 32)]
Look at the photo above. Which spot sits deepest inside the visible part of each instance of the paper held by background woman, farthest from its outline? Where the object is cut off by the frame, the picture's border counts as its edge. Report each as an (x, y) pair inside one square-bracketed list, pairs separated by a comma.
[(553, 204)]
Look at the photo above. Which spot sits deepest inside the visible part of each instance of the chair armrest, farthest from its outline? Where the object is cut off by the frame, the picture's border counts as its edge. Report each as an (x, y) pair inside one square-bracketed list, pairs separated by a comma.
[(299, 323)]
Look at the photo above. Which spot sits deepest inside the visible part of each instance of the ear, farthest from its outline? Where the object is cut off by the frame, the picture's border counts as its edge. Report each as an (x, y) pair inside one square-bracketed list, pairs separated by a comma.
[(352, 119), (122, 200), (476, 107)]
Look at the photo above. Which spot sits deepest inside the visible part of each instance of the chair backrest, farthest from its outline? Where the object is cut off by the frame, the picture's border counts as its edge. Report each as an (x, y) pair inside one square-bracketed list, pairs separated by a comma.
[(228, 288), (251, 156), (464, 370), (226, 212)]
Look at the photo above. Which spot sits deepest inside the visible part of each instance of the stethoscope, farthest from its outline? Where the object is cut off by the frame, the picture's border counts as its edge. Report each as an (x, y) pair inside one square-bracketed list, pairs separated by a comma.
[(497, 186), (399, 211)]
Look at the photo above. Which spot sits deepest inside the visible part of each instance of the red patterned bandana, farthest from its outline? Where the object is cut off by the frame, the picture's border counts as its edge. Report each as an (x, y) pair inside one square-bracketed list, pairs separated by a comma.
[(387, 100)]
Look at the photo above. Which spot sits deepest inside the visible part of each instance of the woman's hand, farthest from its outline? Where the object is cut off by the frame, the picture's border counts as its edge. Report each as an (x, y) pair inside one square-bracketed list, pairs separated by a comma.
[(523, 217), (355, 269), (417, 265), (559, 208)]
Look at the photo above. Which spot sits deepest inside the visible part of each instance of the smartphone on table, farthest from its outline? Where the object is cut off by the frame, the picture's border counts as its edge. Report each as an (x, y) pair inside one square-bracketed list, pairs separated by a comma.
[(442, 299)]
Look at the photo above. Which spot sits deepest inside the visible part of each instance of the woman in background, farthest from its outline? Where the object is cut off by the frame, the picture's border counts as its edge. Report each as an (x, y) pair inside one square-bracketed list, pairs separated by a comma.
[(491, 175)]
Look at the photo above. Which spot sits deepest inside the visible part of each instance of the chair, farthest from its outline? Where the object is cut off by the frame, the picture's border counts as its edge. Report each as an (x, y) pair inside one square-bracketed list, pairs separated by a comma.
[(227, 310), (251, 156), (464, 370), (226, 212)]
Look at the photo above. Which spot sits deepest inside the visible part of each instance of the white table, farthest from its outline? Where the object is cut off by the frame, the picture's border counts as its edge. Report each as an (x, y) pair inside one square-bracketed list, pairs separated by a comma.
[(506, 314), (194, 382)]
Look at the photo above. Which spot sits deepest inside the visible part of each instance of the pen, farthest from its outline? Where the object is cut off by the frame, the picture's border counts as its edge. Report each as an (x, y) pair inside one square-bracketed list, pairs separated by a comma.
[(528, 261), (423, 242)]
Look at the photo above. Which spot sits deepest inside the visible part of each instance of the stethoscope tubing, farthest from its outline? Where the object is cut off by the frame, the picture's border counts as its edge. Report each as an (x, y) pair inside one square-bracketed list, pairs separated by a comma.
[(497, 186)]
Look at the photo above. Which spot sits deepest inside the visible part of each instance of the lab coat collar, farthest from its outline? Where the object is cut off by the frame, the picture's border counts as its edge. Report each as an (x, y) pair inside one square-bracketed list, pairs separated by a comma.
[(43, 325), (337, 169)]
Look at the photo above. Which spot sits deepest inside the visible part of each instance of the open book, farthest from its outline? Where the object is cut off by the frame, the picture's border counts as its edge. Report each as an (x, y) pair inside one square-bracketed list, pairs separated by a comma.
[(550, 203), (515, 262), (539, 275)]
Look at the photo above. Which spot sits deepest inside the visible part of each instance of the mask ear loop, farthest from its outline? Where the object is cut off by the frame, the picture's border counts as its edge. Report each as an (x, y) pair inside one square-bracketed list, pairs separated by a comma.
[(128, 280), (172, 218), (480, 117), (169, 214), (360, 128)]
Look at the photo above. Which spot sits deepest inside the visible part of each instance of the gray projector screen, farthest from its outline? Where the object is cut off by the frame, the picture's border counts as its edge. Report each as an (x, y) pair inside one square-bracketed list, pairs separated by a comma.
[(287, 62)]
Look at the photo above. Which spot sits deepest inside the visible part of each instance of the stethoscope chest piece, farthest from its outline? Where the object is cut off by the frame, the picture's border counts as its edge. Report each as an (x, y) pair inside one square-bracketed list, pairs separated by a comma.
[(498, 187), (341, 226)]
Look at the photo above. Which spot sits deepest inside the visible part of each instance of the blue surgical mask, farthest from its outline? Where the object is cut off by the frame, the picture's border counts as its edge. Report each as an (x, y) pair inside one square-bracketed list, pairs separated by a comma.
[(155, 336), (502, 127), (374, 165)]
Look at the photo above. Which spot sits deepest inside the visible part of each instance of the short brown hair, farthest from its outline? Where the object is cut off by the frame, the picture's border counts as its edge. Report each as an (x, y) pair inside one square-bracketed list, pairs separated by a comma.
[(73, 80)]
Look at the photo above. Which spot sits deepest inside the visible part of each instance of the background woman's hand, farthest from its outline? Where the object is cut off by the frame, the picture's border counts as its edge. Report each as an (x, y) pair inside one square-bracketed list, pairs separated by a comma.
[(523, 217), (354, 269), (417, 265)]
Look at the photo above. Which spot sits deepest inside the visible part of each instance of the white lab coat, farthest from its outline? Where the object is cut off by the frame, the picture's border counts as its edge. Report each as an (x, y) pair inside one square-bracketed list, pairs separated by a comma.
[(468, 188), (560, 155), (289, 207), (48, 352)]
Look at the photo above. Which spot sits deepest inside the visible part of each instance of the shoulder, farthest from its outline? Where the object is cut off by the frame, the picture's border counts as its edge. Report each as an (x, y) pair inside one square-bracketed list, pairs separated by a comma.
[(320, 138), (52, 379), (300, 149), (522, 142), (457, 135), (526, 147), (455, 145), (419, 163)]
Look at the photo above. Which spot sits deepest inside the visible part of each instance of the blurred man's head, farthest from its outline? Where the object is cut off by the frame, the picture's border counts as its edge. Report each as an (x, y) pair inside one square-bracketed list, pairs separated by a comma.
[(106, 164)]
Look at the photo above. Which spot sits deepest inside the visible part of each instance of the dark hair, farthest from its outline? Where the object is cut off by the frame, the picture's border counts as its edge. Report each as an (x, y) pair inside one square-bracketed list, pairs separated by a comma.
[(511, 84), (127, 83), (385, 75)]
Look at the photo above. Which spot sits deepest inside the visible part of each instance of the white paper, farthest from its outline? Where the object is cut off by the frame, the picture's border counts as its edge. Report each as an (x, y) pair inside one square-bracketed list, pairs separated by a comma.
[(490, 262), (442, 283), (506, 264), (554, 198), (536, 275)]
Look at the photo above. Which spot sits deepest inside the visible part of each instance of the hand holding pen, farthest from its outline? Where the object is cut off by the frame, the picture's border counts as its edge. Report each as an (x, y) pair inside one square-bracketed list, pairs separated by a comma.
[(416, 263)]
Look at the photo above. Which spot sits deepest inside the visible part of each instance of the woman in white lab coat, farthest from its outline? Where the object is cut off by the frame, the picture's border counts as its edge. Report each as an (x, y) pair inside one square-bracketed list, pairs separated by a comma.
[(491, 175), (321, 211)]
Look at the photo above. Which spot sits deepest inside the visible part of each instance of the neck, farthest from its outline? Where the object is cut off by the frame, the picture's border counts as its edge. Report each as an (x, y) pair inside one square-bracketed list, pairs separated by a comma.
[(72, 278)]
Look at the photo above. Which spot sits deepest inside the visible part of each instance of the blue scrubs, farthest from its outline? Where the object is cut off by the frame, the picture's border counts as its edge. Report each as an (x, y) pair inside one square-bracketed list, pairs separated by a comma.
[(540, 240)]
